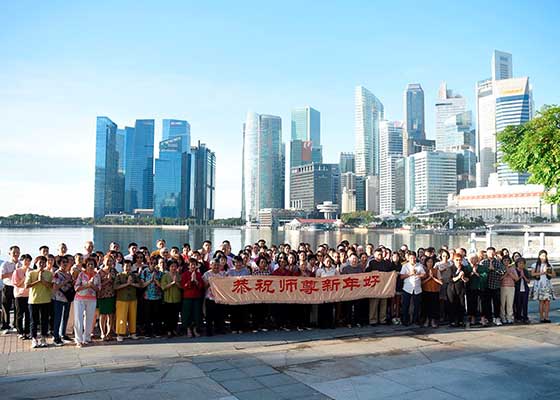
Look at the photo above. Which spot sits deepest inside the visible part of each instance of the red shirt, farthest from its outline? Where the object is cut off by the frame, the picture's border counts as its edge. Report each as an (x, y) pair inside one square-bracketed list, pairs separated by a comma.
[(281, 272), (192, 289)]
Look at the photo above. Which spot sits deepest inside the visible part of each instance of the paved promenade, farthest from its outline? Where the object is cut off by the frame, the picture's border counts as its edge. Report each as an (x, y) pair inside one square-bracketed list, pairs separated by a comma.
[(510, 362)]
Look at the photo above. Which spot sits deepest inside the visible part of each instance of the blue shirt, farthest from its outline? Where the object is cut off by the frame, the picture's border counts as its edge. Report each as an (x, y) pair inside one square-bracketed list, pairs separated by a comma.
[(153, 291)]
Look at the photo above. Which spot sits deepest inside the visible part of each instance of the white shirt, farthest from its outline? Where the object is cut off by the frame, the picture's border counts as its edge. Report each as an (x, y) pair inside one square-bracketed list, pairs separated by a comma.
[(412, 284), (8, 267)]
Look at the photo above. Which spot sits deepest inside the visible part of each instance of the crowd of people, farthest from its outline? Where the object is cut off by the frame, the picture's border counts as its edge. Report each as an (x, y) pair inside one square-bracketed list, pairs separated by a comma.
[(167, 292)]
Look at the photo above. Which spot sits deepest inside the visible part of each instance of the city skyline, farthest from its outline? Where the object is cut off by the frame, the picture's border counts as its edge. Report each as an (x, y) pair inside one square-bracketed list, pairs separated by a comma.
[(68, 79)]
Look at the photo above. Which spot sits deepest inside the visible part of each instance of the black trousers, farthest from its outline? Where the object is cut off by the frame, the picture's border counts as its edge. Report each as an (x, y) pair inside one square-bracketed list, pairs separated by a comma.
[(259, 315), (407, 299), (494, 296), (430, 300), (171, 312), (326, 316), (214, 317), (152, 316), (456, 303), (7, 303), (22, 311), (238, 317), (354, 312), (521, 302), (39, 315)]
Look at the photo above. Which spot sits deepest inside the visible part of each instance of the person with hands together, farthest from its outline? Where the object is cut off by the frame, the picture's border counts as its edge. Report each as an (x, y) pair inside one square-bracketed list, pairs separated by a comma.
[(39, 283)]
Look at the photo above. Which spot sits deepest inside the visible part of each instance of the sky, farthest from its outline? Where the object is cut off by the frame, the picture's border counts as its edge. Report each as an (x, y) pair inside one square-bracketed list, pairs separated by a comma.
[(62, 63)]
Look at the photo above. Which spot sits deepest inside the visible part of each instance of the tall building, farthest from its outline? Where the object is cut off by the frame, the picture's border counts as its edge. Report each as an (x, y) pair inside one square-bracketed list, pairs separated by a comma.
[(391, 150), (119, 195), (177, 127), (313, 184), (203, 175), (414, 127), (501, 101), (459, 138), (448, 105), (106, 190), (347, 163), (502, 65), (170, 180), (139, 174), (305, 144), (430, 177), (367, 114), (372, 194), (513, 107), (262, 165)]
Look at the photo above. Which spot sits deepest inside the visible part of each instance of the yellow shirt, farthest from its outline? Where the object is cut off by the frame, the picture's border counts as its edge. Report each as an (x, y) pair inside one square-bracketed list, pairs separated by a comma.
[(39, 293)]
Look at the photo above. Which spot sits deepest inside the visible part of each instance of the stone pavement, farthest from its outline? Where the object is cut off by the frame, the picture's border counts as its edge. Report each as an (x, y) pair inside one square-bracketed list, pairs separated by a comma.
[(510, 362)]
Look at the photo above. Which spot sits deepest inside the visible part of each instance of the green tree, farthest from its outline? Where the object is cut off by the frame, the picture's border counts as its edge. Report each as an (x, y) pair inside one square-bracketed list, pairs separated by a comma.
[(534, 147)]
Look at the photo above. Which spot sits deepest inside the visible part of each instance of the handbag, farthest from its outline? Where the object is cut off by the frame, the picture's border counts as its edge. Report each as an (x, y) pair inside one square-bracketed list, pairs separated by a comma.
[(69, 293)]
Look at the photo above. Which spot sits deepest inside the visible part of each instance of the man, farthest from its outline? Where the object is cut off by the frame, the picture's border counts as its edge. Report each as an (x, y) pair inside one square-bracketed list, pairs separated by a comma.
[(7, 270), (88, 247), (496, 271), (44, 251), (378, 307), (412, 274), (132, 250), (160, 244), (114, 246)]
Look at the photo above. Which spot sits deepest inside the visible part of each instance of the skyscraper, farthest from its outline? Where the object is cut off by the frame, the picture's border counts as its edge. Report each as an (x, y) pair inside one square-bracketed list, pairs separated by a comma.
[(312, 184), (367, 114), (502, 65), (203, 175), (169, 196), (430, 176), (485, 132), (262, 165), (305, 143), (106, 190), (447, 105), (139, 174), (176, 127), (459, 138), (414, 127), (347, 162), (513, 107), (391, 150)]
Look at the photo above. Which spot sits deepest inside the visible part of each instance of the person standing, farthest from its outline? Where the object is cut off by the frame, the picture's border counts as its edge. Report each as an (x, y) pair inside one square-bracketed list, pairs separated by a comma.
[(21, 297), (151, 277), (431, 285), (378, 307), (412, 274), (193, 287), (39, 283), (543, 291), (86, 285), (171, 285), (496, 271), (7, 270), (214, 311), (521, 300), (507, 290), (106, 297), (63, 295)]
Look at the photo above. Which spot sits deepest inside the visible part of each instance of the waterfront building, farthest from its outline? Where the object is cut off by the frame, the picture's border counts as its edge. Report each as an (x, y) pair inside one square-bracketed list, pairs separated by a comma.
[(367, 114), (313, 184), (414, 125), (501, 202), (460, 139), (348, 201), (203, 178), (485, 132), (391, 150), (347, 163), (177, 127), (502, 65), (430, 176), (108, 184), (139, 173), (262, 165), (171, 180), (448, 105)]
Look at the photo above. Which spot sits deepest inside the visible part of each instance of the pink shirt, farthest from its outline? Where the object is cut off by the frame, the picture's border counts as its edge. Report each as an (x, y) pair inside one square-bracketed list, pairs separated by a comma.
[(507, 280), (18, 279), (88, 293)]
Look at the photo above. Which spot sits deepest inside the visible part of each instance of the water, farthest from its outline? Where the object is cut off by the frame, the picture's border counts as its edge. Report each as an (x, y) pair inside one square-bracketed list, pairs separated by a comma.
[(30, 239)]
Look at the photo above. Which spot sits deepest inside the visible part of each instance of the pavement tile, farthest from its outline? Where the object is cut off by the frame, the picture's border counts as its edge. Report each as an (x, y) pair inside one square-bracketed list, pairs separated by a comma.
[(259, 370), (276, 380), (241, 385), (214, 365), (182, 370), (259, 394), (360, 388), (228, 374)]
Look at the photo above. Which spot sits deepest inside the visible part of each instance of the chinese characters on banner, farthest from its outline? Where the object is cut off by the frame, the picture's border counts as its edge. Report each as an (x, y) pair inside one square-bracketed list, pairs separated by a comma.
[(277, 289)]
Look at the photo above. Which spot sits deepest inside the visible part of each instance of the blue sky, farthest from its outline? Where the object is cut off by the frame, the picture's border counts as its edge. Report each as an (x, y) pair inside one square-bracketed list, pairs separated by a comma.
[(65, 62)]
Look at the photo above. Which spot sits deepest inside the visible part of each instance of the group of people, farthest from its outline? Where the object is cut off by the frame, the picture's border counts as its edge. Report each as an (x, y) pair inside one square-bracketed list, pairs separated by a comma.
[(167, 291)]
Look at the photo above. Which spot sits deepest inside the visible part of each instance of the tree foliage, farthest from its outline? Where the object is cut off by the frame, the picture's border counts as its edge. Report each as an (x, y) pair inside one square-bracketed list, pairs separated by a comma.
[(534, 147)]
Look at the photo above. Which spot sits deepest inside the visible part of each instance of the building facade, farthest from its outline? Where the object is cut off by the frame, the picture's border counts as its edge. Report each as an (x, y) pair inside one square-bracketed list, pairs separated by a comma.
[(107, 188), (263, 183), (414, 124), (448, 105), (170, 199), (391, 150), (313, 184), (430, 177), (203, 175), (139, 174), (367, 114), (347, 163)]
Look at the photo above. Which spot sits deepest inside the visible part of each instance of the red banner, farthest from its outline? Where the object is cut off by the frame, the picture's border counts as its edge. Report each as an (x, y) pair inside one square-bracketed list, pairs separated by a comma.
[(277, 289)]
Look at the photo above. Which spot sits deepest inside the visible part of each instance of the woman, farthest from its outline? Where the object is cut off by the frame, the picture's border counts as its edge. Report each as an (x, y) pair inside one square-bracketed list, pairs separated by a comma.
[(21, 297), (543, 291), (326, 310), (86, 285), (260, 312), (396, 265), (171, 285), (521, 300), (280, 312), (193, 290), (214, 311), (507, 290), (126, 285), (431, 285), (39, 283), (106, 297), (151, 278), (63, 296), (412, 274), (457, 278), (238, 313)]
